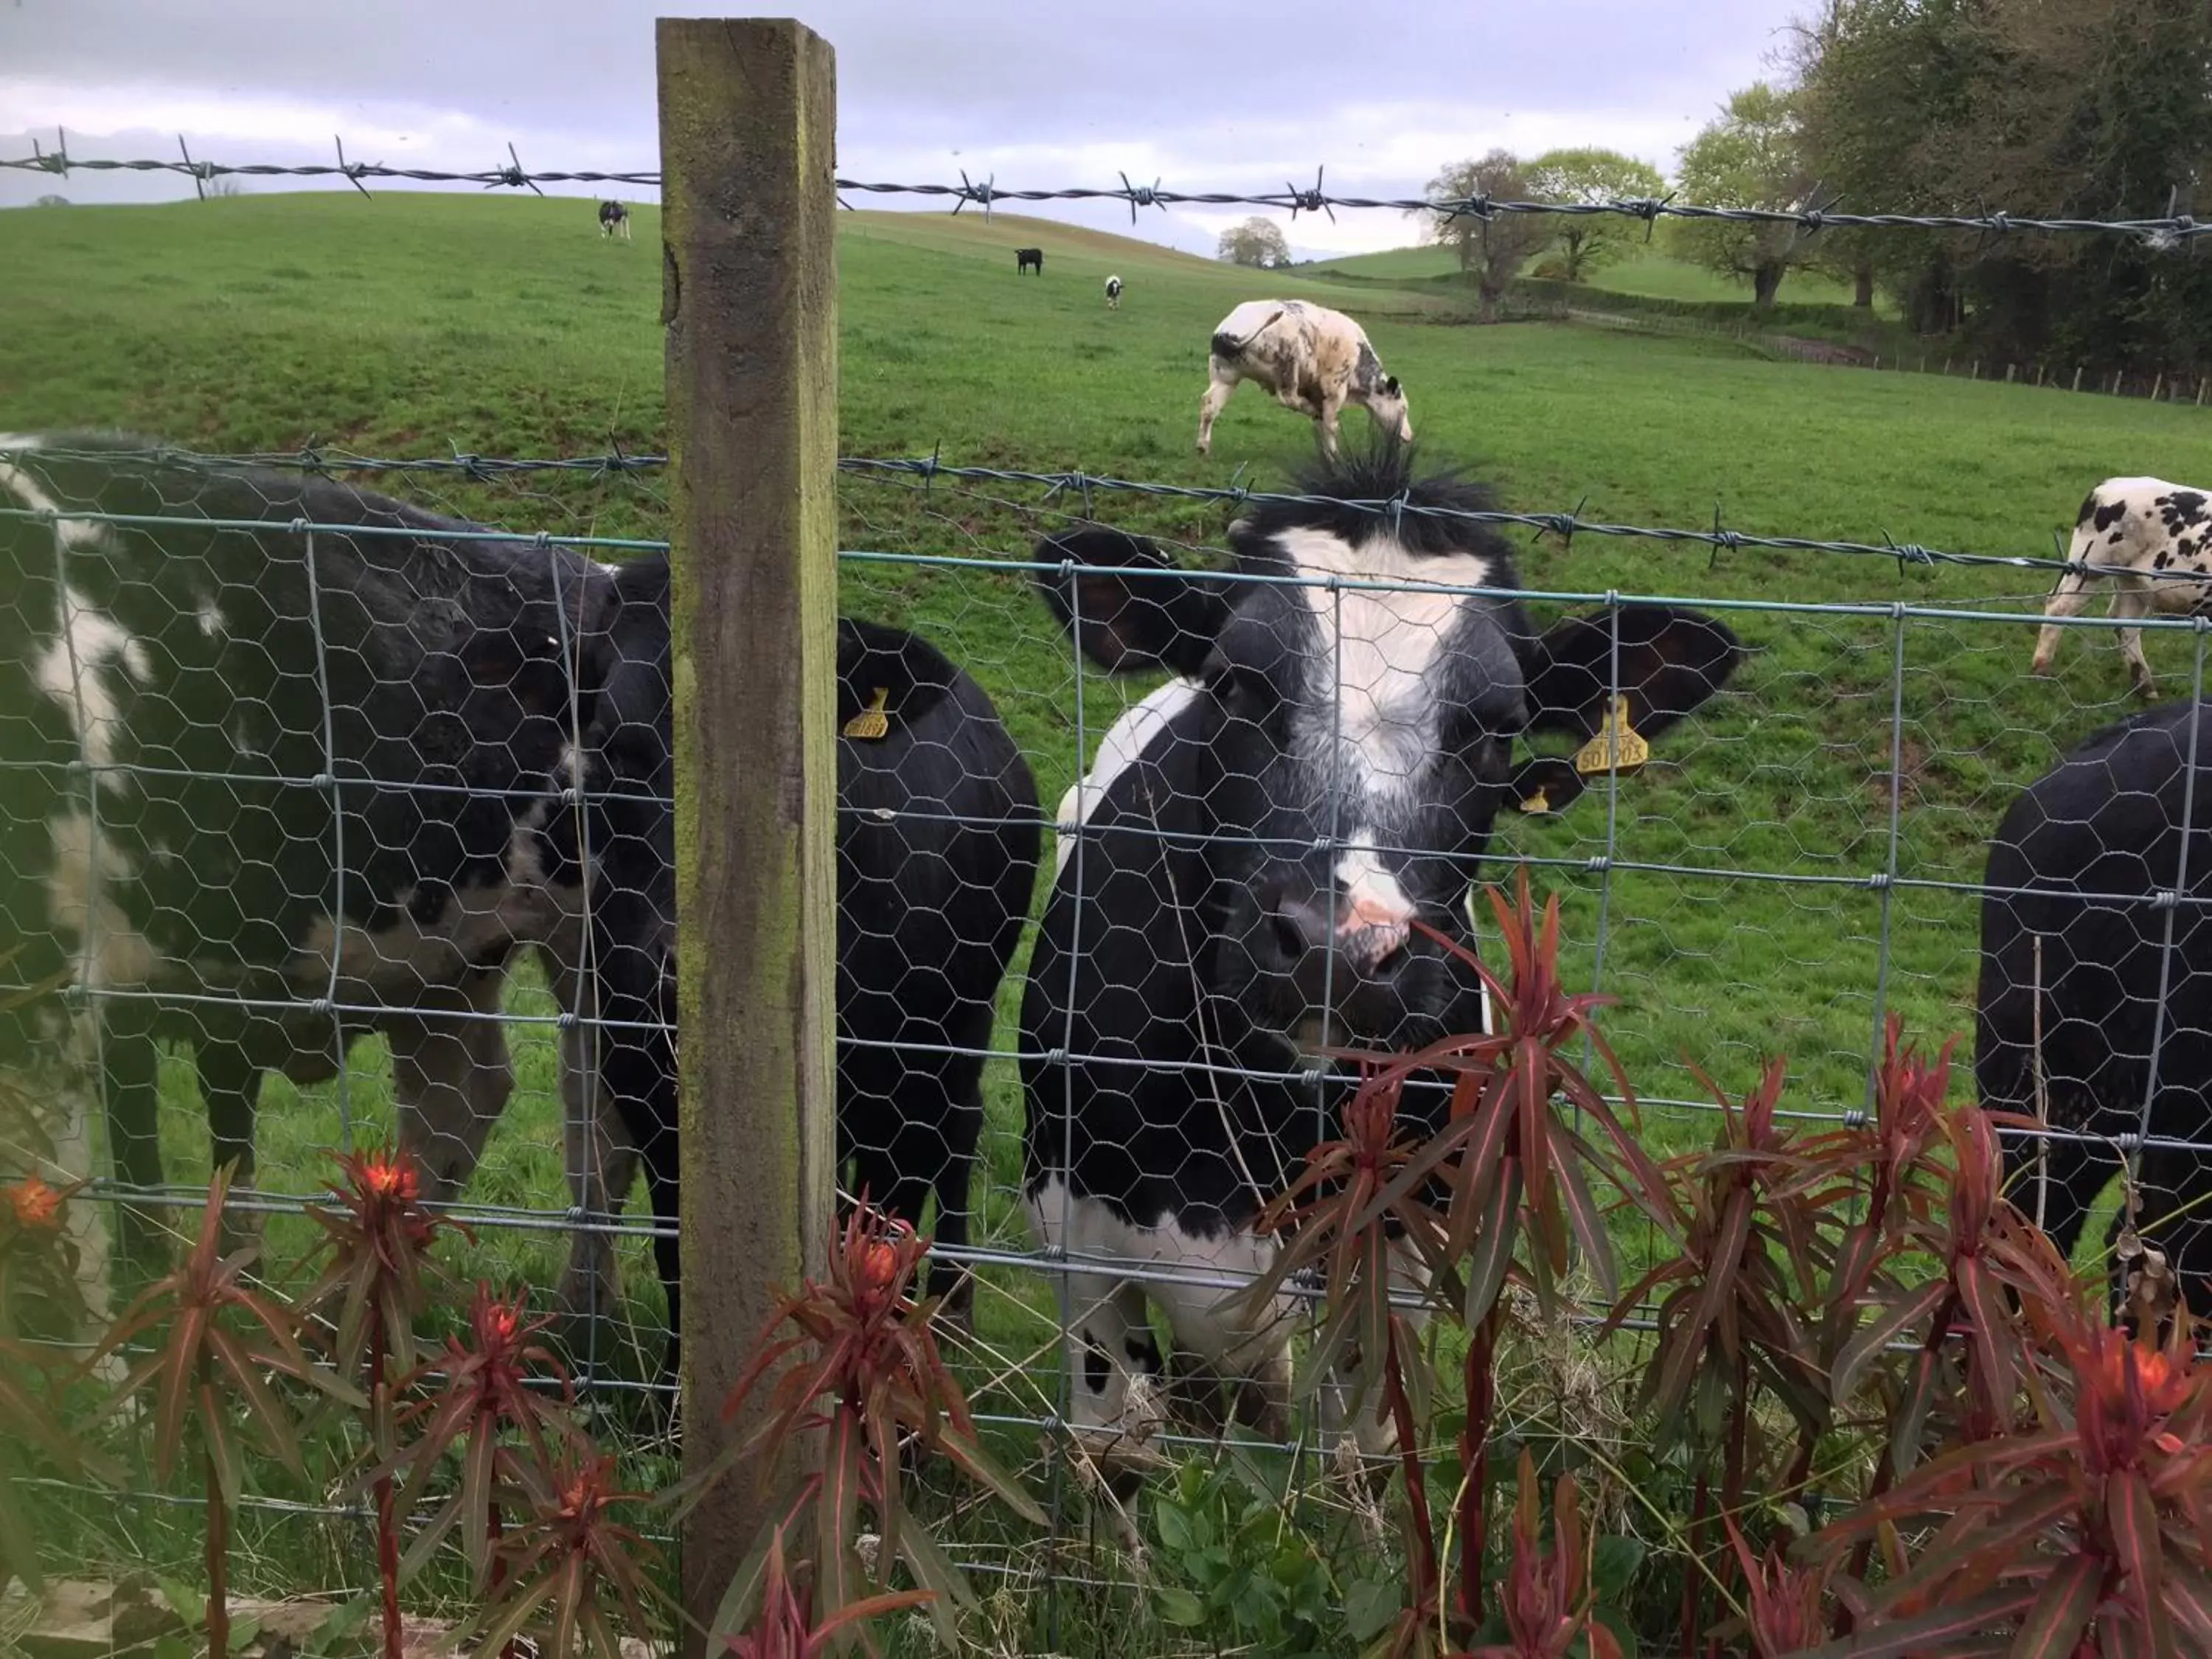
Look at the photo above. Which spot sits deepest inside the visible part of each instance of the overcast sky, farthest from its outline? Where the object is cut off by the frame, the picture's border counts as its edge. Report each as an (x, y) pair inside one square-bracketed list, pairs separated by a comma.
[(1201, 94)]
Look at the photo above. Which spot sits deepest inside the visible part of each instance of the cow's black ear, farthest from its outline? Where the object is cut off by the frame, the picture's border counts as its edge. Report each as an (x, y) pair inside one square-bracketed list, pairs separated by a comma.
[(887, 671), (1390, 384), (1543, 784), (1669, 662), (1125, 619)]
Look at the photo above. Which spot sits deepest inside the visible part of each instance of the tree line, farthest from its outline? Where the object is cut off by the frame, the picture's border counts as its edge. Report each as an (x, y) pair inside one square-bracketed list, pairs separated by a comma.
[(2096, 109)]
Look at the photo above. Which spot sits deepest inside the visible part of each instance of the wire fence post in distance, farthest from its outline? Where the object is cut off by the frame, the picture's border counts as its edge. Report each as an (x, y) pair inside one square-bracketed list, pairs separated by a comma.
[(748, 119)]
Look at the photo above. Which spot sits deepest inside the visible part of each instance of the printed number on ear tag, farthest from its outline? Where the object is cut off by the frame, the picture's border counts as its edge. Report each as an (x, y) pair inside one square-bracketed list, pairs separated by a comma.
[(1616, 748), (871, 723)]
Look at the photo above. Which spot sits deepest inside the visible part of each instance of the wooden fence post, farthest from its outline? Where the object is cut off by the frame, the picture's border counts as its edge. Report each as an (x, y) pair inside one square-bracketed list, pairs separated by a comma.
[(2077, 377), (749, 301)]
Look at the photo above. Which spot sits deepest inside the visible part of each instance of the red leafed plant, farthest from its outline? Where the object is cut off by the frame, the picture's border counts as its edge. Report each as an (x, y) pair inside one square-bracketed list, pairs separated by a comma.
[(376, 1242), (1787, 1602), (38, 1263), (1752, 1254), (486, 1386), (1501, 1191), (784, 1627), (1546, 1599), (2083, 1529), (559, 1565), (220, 1340), (868, 1376)]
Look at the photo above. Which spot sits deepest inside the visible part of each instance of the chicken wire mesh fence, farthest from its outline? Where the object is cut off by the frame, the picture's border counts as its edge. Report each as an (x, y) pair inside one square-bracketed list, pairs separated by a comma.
[(245, 704)]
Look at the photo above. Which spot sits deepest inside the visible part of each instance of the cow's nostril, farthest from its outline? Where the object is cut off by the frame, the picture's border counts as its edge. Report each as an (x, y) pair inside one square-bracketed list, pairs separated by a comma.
[(1290, 938)]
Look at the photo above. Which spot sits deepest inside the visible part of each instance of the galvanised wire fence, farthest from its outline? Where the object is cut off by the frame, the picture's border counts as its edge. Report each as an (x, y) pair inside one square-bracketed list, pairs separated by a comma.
[(324, 772)]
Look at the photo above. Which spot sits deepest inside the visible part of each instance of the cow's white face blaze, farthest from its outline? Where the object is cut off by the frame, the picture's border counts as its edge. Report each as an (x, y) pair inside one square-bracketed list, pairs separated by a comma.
[(1391, 412)]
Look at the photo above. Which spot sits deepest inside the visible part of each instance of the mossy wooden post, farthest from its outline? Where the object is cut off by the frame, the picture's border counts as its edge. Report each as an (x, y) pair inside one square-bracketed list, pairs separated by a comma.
[(748, 299)]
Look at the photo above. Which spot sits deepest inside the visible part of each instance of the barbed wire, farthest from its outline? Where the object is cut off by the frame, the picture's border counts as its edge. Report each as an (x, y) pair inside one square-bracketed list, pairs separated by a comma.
[(2164, 233), (1566, 525)]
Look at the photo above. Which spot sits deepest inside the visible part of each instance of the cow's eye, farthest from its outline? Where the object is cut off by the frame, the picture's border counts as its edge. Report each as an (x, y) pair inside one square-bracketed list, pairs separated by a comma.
[(1239, 689)]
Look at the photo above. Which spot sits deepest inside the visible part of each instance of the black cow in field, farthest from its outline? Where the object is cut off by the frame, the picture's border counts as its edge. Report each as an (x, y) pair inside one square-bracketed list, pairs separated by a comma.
[(614, 220), (1324, 770), (2096, 949), (1025, 257), (185, 706), (938, 842)]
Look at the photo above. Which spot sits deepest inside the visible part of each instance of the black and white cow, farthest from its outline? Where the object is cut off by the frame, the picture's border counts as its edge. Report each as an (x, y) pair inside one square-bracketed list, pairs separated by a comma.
[(2078, 986), (1314, 360), (2153, 543), (171, 846), (1026, 259), (1324, 770), (938, 842), (614, 220), (260, 776), (1113, 293)]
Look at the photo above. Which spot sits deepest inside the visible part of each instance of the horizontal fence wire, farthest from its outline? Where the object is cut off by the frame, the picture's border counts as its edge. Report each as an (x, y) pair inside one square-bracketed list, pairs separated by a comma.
[(1074, 484), (2164, 232)]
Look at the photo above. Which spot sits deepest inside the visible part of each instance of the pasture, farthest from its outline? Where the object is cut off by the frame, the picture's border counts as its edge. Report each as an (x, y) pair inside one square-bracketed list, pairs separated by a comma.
[(422, 325)]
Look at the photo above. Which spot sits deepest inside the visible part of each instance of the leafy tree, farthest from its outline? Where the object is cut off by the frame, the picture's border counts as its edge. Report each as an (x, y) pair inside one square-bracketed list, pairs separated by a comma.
[(1257, 242), (1593, 176), (1752, 157), (1491, 250)]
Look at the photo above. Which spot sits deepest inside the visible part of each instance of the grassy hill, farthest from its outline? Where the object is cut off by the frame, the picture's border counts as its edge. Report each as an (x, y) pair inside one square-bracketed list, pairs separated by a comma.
[(1648, 273), (419, 326)]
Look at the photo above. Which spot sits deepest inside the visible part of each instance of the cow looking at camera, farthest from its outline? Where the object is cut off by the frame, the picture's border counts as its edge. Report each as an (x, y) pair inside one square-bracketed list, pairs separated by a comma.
[(1323, 772)]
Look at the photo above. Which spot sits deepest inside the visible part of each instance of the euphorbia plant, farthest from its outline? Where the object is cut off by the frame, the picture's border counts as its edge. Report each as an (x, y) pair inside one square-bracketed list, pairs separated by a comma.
[(1546, 1598), (376, 1243), (1502, 1189), (868, 1378), (38, 1261), (219, 1341), (2085, 1529)]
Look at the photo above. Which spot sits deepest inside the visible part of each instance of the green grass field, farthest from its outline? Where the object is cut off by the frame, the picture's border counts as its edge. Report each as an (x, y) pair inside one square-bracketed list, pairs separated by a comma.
[(417, 325)]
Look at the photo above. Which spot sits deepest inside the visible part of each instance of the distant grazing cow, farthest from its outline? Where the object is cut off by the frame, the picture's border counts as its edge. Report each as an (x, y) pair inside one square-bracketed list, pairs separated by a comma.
[(1316, 361), (1024, 258), (2078, 987), (1256, 845), (186, 706), (2147, 527), (1113, 293), (614, 217)]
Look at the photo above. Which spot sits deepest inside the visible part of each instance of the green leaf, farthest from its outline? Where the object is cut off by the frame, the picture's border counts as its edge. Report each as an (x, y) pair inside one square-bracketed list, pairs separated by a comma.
[(1369, 1606), (1621, 1626), (934, 1572), (243, 1633), (1178, 1606), (1615, 1561), (185, 1600)]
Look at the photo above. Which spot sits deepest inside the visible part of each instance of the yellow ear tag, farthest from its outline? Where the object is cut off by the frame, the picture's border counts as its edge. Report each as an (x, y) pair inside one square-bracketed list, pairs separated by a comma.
[(1537, 803), (1616, 748), (871, 722)]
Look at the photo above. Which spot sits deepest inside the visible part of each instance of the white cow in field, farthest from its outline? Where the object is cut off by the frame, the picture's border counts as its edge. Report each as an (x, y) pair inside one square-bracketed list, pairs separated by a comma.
[(1314, 360), (2138, 529)]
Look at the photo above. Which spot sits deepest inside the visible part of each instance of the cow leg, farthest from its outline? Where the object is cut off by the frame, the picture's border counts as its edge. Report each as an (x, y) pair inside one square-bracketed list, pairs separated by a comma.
[(602, 1163), (230, 1090), (1113, 1372), (2069, 599), (131, 1063), (2134, 599), (1216, 396), (1327, 420), (450, 1079)]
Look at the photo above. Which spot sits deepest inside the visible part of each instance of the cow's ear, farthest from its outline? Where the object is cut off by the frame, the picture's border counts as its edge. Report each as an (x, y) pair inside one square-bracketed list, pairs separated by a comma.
[(1543, 784), (1669, 662), (1390, 385), (886, 672), (1127, 618)]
